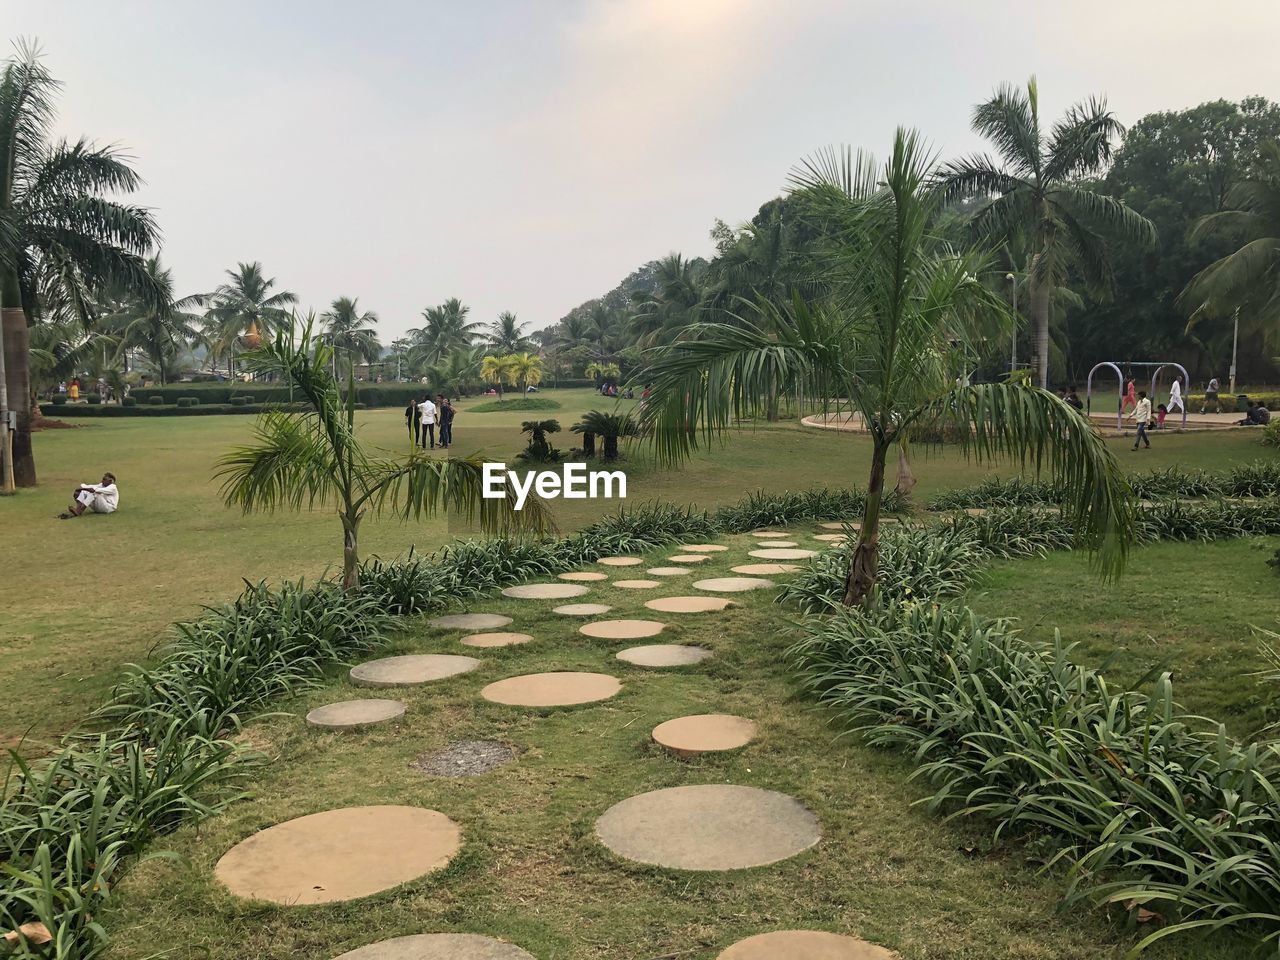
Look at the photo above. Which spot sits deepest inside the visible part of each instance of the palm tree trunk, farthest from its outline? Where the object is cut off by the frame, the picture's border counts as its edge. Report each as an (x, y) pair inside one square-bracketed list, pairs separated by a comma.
[(17, 386), (771, 407), (1040, 290), (350, 553), (864, 566), (906, 477)]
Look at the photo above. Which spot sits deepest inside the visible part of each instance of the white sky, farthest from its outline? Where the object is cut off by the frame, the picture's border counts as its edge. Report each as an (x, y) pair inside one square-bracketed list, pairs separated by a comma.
[(528, 155)]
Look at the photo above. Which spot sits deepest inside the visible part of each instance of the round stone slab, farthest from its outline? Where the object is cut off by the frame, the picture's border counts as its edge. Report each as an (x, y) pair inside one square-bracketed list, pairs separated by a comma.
[(689, 558), (805, 945), (354, 714), (582, 609), (782, 554), (544, 591), (438, 946), (704, 548), (732, 584), (778, 544), (405, 671), (663, 655), (621, 629), (830, 537), (709, 827), (667, 571), (766, 569), (496, 639), (562, 689), (837, 525), (688, 604), (636, 584), (583, 576), (768, 534), (704, 733), (339, 854), (620, 561), (470, 621)]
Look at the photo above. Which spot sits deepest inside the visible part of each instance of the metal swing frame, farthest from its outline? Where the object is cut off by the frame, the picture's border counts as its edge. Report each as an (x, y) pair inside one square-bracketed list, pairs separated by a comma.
[(1155, 376)]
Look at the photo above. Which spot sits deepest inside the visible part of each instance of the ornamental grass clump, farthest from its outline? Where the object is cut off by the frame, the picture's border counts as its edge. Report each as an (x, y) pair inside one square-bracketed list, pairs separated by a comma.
[(999, 492)]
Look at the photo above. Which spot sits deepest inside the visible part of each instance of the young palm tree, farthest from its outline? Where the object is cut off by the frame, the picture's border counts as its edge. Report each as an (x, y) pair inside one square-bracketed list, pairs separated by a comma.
[(1039, 195), (608, 426), (903, 314), (1247, 280), (244, 311), (539, 449), (162, 332), (603, 372), (315, 458), (498, 371), (351, 332), (506, 335), (62, 236), (526, 368)]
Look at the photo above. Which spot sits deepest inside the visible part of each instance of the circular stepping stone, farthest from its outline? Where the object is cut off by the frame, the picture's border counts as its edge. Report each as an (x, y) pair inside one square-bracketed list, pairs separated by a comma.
[(465, 758), (354, 714), (836, 525), (667, 571), (831, 537), (663, 655), (777, 544), (688, 604), (768, 534), (438, 946), (767, 569), (620, 561), (805, 945), (704, 548), (621, 629), (636, 584), (582, 609), (732, 584), (496, 639), (414, 669), (704, 733), (470, 621), (561, 689), (544, 591), (782, 554), (339, 854), (583, 576), (689, 558), (708, 827)]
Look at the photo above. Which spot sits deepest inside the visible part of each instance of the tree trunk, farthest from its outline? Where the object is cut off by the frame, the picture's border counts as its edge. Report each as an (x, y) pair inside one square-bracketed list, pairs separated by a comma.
[(906, 478), (864, 565), (1040, 291), (610, 448), (13, 322), (350, 554), (771, 406)]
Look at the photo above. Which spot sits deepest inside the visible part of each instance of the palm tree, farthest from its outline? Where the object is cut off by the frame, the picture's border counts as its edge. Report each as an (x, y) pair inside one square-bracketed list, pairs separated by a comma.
[(603, 372), (457, 370), (609, 427), (314, 458), (498, 371), (506, 334), (539, 449), (903, 313), (351, 332), (1247, 280), (162, 332), (61, 237), (662, 315), (446, 329), (1039, 196), (245, 310), (526, 368)]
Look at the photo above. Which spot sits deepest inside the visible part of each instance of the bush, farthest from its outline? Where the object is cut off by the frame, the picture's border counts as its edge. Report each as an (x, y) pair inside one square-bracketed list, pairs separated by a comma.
[(155, 401), (59, 399), (517, 403), (166, 410), (94, 399), (188, 401), (370, 394), (1268, 399), (239, 401), (129, 402), (1270, 435)]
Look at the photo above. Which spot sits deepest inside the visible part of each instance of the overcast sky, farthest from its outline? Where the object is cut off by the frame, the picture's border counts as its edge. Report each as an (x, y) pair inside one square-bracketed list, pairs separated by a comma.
[(526, 156)]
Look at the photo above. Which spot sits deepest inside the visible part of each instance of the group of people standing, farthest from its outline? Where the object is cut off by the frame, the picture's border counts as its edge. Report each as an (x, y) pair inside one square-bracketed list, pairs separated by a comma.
[(422, 417)]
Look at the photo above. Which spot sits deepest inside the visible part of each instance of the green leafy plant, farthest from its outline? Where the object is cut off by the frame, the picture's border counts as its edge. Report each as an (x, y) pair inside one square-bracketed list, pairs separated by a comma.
[(539, 450), (610, 427)]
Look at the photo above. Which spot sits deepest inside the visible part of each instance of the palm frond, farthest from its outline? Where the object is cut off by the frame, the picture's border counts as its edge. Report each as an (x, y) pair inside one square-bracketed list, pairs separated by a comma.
[(289, 465), (1011, 120)]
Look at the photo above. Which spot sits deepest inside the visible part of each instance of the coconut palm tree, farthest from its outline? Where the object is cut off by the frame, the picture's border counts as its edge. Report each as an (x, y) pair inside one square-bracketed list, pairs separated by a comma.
[(1248, 279), (162, 332), (499, 371), (445, 330), (506, 335), (315, 459), (662, 315), (903, 314), (62, 236), (1038, 195), (526, 369), (457, 370), (351, 332), (244, 310)]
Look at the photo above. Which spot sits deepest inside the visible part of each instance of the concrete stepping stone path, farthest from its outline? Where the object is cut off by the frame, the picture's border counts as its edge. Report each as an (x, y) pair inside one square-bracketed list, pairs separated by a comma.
[(411, 670), (582, 609), (766, 569), (770, 534), (340, 854), (667, 571), (470, 621), (777, 544), (703, 548), (664, 655), (704, 733), (583, 576), (689, 558), (621, 629), (438, 946), (636, 584), (560, 689), (496, 639), (545, 591), (836, 525), (805, 945), (732, 584), (350, 715), (620, 561), (708, 827), (831, 537), (782, 554), (688, 604)]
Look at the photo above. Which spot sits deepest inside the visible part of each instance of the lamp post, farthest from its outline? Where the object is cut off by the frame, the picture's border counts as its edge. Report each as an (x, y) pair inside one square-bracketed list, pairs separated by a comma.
[(1235, 336), (1013, 352)]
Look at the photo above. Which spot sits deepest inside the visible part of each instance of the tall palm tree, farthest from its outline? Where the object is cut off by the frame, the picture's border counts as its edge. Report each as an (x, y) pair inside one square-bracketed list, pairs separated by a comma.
[(244, 311), (506, 334), (498, 371), (162, 332), (606, 330), (62, 236), (1039, 195), (454, 372), (660, 316), (351, 332), (315, 459), (903, 313), (526, 368), (1248, 279), (445, 330)]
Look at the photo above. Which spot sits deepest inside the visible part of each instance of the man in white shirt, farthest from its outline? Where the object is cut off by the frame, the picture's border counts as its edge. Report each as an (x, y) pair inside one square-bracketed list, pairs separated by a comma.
[(428, 411), (101, 497), (1142, 414)]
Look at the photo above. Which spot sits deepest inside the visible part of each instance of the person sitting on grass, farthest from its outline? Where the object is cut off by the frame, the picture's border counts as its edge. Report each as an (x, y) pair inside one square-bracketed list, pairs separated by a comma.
[(1258, 416), (101, 497)]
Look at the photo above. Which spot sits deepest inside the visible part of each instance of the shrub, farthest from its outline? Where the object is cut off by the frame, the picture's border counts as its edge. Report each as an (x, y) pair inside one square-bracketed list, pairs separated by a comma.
[(998, 491), (516, 403), (129, 402), (188, 401), (765, 509), (59, 399), (1258, 479), (239, 401), (94, 399), (370, 394), (155, 401)]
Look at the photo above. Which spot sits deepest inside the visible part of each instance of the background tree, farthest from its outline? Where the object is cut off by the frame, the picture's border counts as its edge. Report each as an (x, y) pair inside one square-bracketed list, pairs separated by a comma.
[(526, 369), (315, 459), (457, 371), (497, 370), (658, 316), (506, 335), (161, 331), (350, 332), (1039, 194), (445, 330), (244, 311)]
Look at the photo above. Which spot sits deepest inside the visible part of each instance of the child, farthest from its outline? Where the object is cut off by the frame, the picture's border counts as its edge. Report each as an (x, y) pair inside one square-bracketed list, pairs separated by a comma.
[(1162, 411)]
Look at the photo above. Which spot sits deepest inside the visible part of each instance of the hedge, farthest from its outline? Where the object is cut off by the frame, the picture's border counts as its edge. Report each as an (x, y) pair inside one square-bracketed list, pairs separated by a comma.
[(153, 409), (1227, 401), (370, 394), (59, 399)]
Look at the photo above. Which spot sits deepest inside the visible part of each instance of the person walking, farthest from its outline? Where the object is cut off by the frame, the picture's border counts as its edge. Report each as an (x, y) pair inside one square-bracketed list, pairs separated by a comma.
[(1175, 396), (413, 420), (1211, 396), (1129, 398), (428, 413), (446, 414), (1142, 414)]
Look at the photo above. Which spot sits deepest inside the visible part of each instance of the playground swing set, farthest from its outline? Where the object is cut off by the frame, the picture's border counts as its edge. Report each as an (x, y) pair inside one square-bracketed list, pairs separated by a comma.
[(1128, 365)]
